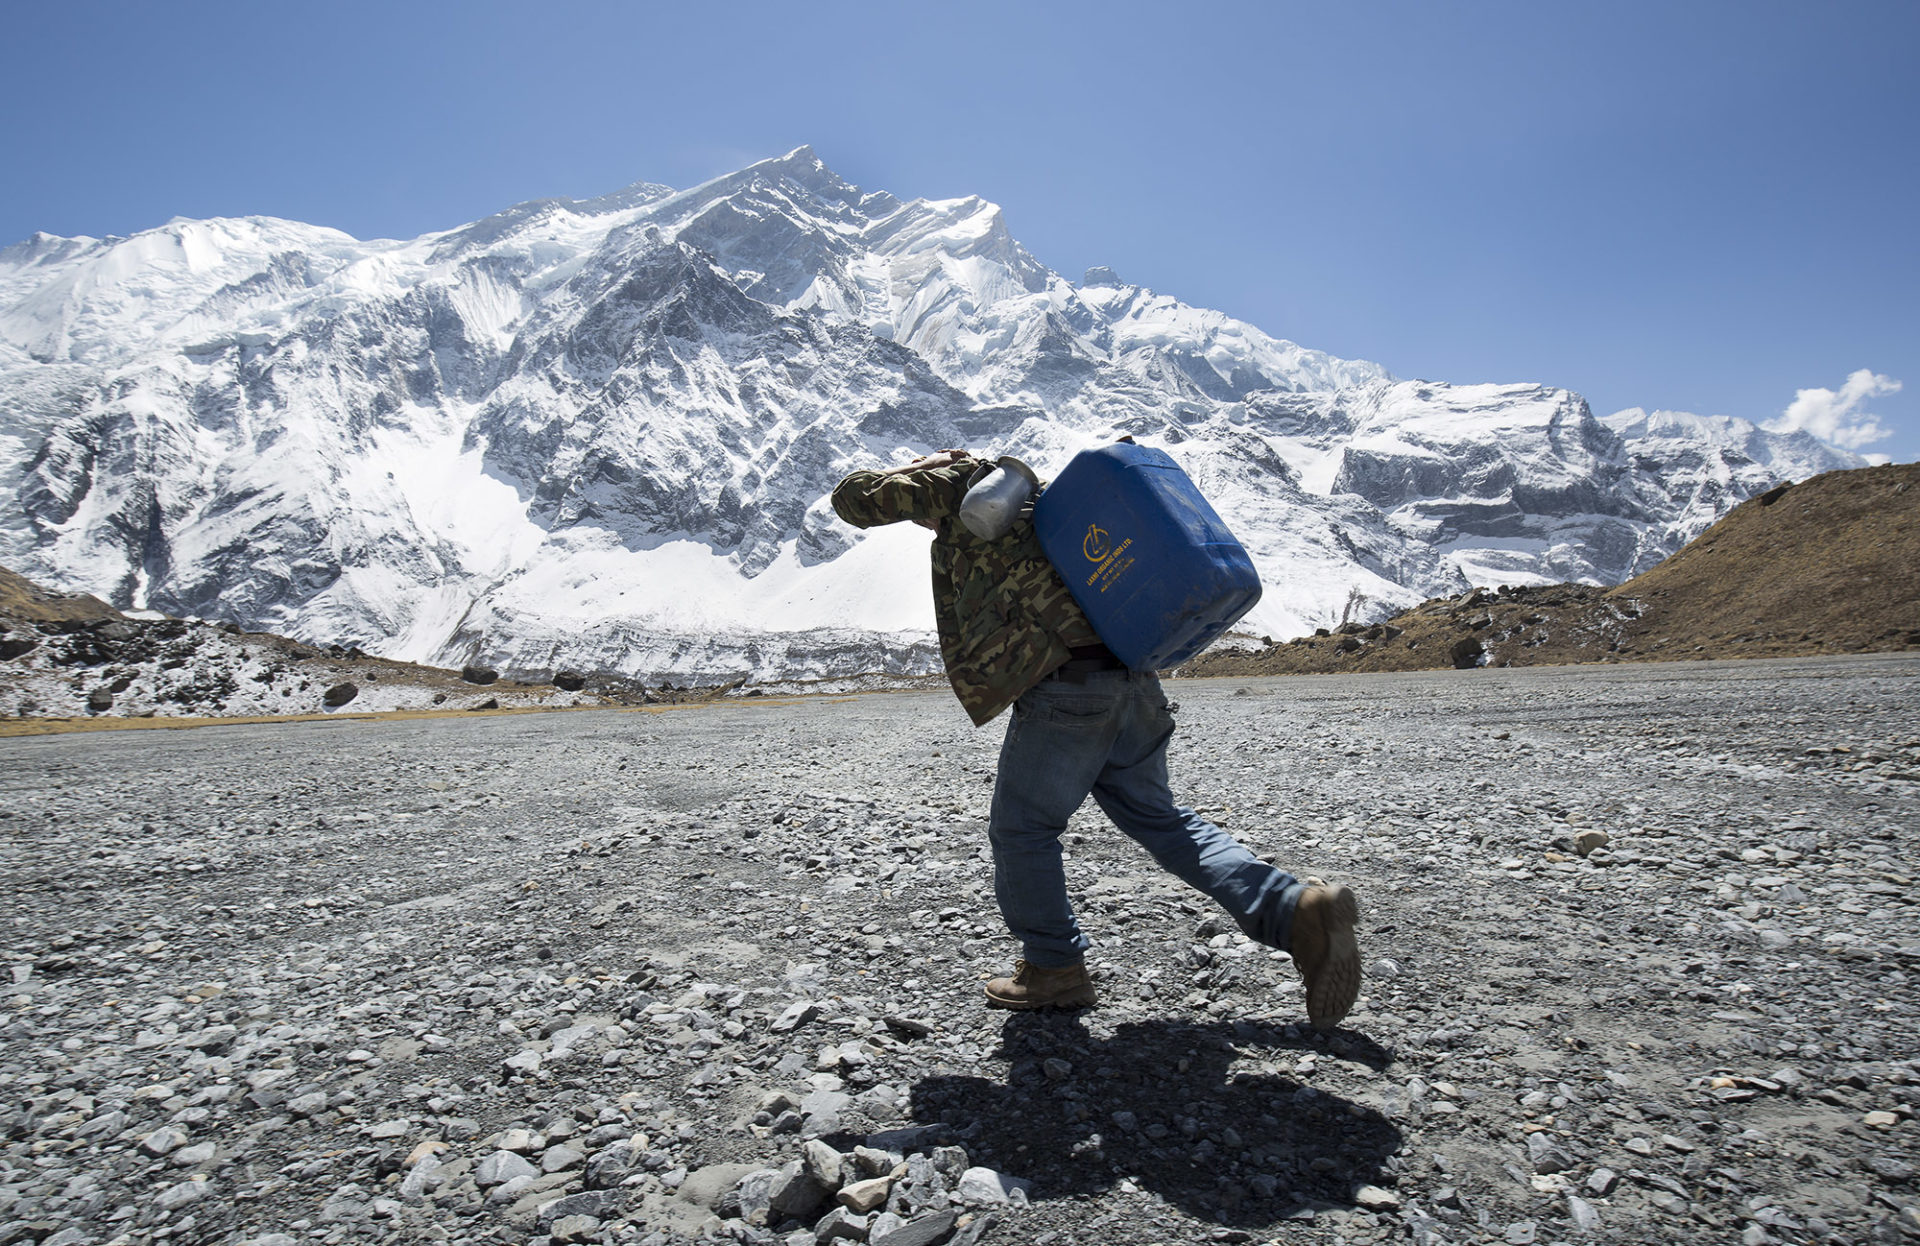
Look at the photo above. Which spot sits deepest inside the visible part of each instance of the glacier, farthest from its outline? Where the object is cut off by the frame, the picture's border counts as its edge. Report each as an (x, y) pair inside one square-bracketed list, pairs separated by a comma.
[(600, 434)]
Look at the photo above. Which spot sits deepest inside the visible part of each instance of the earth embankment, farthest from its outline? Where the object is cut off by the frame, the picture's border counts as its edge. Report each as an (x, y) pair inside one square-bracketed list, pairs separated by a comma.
[(1829, 565)]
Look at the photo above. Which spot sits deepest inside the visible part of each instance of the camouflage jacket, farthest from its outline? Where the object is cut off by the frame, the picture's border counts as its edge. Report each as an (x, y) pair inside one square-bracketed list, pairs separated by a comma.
[(1005, 616)]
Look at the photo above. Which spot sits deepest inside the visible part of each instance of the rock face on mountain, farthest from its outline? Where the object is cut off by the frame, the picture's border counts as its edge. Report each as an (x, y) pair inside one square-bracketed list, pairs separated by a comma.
[(600, 434)]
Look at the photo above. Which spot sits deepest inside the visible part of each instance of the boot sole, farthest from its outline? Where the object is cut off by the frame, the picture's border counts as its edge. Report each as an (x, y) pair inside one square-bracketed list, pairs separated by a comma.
[(1331, 994), (1074, 1000)]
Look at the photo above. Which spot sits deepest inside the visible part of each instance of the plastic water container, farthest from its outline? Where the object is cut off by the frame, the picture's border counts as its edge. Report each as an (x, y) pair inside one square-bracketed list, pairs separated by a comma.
[(1155, 569)]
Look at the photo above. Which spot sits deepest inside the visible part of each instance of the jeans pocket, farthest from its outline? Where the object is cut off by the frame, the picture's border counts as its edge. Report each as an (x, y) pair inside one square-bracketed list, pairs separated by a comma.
[(1075, 711)]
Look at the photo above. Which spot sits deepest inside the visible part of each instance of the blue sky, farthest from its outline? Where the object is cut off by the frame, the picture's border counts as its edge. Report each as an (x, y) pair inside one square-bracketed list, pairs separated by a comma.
[(1698, 206)]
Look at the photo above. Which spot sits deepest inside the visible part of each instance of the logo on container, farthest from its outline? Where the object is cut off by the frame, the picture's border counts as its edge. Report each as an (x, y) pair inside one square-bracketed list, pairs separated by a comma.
[(1109, 561)]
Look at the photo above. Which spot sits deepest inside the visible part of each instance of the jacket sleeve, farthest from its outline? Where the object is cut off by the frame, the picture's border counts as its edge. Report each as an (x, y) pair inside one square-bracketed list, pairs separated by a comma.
[(867, 499)]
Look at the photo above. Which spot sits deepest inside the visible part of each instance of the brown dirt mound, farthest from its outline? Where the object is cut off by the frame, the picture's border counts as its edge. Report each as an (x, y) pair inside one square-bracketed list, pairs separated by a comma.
[(28, 602), (1830, 565)]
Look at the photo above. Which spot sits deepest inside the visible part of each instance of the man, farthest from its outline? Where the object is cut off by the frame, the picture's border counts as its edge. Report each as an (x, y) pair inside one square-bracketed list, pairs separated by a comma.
[(1011, 635)]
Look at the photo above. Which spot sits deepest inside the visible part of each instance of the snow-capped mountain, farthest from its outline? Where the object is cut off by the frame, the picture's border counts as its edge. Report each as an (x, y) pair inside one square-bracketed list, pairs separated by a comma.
[(600, 434)]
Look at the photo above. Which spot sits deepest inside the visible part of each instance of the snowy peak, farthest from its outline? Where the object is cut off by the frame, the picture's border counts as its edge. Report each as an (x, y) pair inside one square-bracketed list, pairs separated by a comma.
[(1790, 456), (802, 168), (42, 248), (101, 300)]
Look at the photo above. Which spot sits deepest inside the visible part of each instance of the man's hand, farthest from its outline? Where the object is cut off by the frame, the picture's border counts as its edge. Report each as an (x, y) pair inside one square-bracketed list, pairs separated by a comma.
[(943, 458)]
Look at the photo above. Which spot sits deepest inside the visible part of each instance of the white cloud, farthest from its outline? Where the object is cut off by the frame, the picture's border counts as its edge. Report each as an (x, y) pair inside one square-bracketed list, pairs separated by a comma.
[(1837, 417)]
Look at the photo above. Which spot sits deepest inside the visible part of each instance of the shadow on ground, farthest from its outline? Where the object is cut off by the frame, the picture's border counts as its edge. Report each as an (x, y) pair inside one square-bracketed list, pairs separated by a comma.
[(1160, 1104)]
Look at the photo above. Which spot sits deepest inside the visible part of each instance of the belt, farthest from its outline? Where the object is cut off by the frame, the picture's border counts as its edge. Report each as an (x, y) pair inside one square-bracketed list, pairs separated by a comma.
[(1084, 660)]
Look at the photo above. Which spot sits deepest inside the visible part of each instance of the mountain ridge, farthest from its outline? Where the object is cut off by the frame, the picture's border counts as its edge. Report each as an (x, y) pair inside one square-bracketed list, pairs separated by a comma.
[(600, 433)]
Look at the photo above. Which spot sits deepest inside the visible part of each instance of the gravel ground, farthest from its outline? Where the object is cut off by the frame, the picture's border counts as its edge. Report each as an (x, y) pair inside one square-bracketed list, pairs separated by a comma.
[(1641, 946)]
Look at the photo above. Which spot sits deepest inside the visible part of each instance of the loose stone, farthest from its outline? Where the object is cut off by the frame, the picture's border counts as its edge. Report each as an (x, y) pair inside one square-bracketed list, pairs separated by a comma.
[(984, 1185), (501, 1167), (863, 1196)]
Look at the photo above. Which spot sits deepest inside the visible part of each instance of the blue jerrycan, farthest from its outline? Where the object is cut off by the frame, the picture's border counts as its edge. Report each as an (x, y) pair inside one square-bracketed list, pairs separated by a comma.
[(1155, 569)]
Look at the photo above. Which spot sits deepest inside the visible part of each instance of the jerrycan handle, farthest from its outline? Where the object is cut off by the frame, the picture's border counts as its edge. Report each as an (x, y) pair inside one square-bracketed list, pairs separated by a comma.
[(997, 499)]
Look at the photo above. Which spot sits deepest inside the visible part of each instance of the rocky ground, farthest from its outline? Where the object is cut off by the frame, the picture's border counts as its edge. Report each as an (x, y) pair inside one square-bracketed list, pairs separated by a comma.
[(1641, 946), (1541, 625), (69, 660)]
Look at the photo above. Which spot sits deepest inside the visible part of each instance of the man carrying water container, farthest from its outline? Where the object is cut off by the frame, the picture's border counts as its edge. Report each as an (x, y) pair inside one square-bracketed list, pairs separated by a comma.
[(1011, 634)]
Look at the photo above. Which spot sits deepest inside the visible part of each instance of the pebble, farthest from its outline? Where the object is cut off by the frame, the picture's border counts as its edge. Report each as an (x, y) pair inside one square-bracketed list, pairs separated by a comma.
[(184, 1194), (311, 1104), (1892, 1171), (795, 1015), (1672, 1204), (1547, 1157), (164, 1141), (576, 1228), (195, 1155)]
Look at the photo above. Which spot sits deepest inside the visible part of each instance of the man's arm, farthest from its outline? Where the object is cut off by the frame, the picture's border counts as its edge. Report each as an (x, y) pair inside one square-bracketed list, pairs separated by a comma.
[(925, 491)]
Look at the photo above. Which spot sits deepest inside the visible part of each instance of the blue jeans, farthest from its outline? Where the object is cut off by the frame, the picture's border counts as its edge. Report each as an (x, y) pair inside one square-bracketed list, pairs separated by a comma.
[(1107, 736)]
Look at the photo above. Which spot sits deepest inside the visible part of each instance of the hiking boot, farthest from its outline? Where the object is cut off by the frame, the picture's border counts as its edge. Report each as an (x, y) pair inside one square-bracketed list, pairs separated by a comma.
[(1034, 987), (1325, 951)]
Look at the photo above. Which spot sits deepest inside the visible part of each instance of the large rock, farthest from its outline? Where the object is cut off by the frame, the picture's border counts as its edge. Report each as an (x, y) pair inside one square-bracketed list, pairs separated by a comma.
[(595, 1203), (795, 1195), (920, 1231), (502, 1167), (824, 1164), (861, 1196), (612, 1165), (984, 1185), (754, 1196), (711, 1186)]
